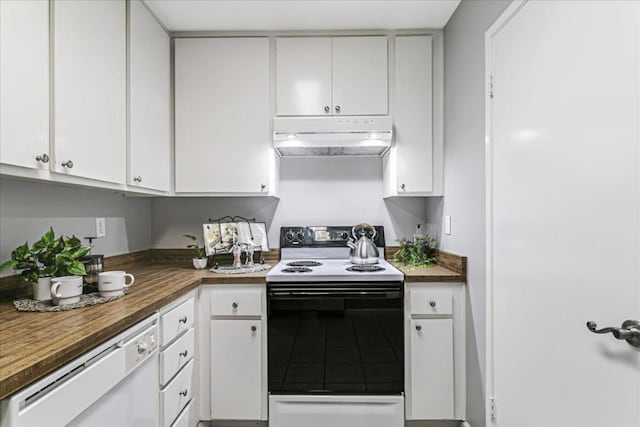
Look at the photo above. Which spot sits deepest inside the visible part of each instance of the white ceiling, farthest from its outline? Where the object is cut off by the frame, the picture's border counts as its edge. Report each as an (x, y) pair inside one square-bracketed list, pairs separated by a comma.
[(276, 15)]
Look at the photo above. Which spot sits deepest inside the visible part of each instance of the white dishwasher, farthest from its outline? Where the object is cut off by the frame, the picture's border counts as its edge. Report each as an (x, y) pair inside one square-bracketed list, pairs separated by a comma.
[(115, 384)]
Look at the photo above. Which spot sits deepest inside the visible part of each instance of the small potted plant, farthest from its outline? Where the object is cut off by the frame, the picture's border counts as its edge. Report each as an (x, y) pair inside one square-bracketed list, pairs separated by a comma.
[(48, 257), (201, 260), (419, 252)]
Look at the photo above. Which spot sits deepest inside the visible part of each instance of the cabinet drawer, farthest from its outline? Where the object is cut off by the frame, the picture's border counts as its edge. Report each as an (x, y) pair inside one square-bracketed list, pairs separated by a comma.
[(174, 322), (240, 302), (183, 418), (176, 395), (176, 356), (431, 301)]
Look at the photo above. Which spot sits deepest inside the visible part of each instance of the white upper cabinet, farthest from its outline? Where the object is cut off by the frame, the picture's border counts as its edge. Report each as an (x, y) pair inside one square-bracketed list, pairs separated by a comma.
[(413, 165), (303, 76), (89, 48), (24, 83), (222, 116), (319, 76), (149, 101), (359, 69)]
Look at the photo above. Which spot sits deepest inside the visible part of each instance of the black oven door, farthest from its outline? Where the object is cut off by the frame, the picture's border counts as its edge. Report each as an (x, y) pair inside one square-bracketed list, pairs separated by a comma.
[(336, 338)]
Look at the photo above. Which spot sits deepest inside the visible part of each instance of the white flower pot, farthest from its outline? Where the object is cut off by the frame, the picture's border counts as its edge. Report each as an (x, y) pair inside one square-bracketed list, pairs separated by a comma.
[(42, 289), (200, 263)]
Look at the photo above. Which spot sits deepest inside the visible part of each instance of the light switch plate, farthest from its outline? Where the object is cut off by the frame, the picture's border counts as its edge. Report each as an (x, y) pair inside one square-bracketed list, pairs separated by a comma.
[(101, 227), (447, 224)]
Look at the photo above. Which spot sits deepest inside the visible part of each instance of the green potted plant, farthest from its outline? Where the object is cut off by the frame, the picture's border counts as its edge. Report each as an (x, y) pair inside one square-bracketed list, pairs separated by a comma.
[(419, 252), (201, 260), (48, 257)]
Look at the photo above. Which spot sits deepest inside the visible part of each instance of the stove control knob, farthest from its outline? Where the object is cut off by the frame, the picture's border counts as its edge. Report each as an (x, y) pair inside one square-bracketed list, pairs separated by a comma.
[(289, 235), (300, 235), (344, 235)]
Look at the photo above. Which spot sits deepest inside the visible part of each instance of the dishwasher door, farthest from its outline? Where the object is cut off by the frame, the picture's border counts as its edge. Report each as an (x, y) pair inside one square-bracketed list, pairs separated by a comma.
[(131, 403)]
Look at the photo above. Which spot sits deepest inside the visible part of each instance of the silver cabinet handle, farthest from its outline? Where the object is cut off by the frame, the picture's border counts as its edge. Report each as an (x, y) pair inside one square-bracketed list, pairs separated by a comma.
[(68, 164), (253, 328), (137, 179), (326, 109), (403, 187), (183, 353), (184, 392), (338, 108), (183, 319), (262, 187), (234, 305), (44, 158), (432, 304), (630, 331), (418, 328)]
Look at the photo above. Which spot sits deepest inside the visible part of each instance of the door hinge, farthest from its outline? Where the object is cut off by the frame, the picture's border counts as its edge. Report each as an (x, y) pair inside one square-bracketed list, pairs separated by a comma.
[(492, 409), (491, 86)]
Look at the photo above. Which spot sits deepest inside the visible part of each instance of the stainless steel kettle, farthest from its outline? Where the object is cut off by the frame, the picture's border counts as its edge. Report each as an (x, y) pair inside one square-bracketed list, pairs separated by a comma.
[(363, 250)]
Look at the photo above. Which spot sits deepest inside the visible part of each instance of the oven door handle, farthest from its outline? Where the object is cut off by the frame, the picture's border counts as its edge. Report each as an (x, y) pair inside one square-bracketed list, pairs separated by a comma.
[(341, 293)]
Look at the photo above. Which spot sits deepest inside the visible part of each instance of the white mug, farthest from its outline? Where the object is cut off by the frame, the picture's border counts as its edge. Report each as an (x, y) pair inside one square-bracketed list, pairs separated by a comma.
[(114, 283), (66, 289)]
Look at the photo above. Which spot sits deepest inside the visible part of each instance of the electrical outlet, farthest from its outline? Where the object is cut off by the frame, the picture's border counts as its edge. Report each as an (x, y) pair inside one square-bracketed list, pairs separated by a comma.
[(101, 227), (447, 224)]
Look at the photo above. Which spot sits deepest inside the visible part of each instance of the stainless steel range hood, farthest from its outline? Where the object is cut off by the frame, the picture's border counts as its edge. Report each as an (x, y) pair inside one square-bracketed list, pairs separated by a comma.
[(332, 136)]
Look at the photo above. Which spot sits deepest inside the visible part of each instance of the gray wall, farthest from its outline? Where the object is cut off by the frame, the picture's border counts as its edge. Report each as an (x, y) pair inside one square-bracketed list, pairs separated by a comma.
[(313, 191), (464, 173), (27, 209)]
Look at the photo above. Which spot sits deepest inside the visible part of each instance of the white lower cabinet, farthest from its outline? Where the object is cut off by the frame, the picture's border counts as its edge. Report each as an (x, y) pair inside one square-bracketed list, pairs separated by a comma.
[(233, 352), (177, 365), (236, 365), (435, 373)]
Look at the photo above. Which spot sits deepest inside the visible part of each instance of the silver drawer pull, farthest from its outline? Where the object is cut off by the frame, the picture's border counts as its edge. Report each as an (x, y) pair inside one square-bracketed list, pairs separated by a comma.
[(234, 305), (183, 319), (44, 158), (432, 304), (183, 353), (68, 164), (184, 392), (418, 328), (253, 328)]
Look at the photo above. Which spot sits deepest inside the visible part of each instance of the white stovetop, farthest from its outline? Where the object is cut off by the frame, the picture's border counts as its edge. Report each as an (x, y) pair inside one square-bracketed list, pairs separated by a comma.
[(333, 270)]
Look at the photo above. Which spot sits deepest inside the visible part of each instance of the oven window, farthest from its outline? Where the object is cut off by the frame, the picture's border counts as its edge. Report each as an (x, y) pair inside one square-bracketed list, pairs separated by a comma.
[(336, 345)]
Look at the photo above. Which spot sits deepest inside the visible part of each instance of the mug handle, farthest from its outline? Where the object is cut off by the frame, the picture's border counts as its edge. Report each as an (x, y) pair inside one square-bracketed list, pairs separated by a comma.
[(126, 285), (54, 289)]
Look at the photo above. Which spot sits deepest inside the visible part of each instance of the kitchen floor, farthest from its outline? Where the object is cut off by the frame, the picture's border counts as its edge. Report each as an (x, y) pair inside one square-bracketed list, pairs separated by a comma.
[(351, 350)]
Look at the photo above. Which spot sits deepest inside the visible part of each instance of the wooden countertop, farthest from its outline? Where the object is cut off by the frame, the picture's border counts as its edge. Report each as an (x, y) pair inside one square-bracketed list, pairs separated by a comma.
[(34, 344)]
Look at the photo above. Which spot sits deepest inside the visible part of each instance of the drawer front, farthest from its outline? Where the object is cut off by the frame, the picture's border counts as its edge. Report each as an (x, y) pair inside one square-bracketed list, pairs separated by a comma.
[(240, 302), (176, 356), (176, 395), (431, 302), (174, 322), (183, 418)]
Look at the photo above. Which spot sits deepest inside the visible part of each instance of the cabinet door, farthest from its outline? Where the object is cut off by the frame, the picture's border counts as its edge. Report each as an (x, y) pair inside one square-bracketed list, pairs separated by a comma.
[(149, 102), (303, 72), (222, 122), (24, 83), (90, 89), (236, 369), (432, 392), (359, 71), (413, 115)]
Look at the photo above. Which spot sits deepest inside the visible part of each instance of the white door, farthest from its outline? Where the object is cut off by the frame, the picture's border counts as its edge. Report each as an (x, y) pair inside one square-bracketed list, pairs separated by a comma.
[(149, 100), (564, 213), (24, 83), (222, 115), (432, 393), (359, 75), (236, 369), (303, 72), (89, 49)]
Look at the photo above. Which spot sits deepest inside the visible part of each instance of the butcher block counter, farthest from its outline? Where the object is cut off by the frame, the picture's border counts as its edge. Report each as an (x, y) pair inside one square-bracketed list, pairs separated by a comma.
[(35, 344)]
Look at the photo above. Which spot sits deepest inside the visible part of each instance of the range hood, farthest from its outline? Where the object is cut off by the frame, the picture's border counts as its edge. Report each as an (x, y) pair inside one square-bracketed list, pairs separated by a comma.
[(332, 136)]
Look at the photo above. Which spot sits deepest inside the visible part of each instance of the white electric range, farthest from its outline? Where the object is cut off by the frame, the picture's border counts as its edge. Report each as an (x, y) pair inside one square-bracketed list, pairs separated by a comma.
[(335, 333)]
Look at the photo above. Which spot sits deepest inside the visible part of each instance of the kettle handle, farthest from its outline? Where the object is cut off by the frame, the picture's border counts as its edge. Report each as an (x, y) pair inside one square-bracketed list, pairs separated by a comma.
[(366, 227)]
